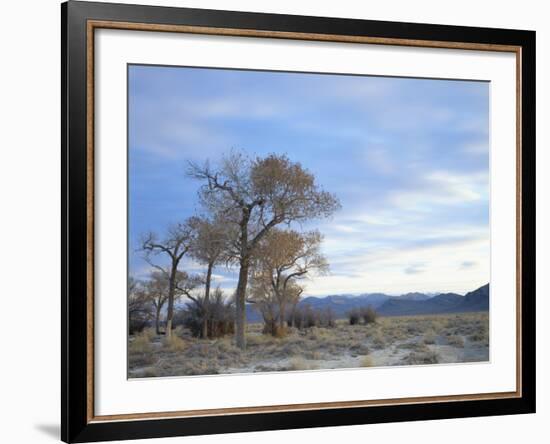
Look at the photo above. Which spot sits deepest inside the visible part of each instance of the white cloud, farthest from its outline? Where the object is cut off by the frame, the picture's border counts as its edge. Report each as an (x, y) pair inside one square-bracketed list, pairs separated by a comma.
[(384, 270), (443, 188)]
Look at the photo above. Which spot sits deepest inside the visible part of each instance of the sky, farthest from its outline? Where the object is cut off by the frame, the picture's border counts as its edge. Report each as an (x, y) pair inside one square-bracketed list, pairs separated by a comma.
[(407, 158)]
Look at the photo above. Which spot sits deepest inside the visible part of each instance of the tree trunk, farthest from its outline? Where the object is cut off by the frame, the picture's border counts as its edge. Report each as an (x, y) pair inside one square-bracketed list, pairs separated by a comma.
[(168, 328), (282, 316), (240, 318), (206, 299), (157, 320), (171, 294), (292, 319)]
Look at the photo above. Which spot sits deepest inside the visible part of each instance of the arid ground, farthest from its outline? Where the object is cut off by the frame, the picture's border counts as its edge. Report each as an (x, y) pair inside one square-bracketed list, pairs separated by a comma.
[(390, 341)]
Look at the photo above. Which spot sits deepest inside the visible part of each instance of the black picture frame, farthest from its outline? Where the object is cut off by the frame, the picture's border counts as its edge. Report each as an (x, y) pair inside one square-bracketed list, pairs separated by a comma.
[(76, 423)]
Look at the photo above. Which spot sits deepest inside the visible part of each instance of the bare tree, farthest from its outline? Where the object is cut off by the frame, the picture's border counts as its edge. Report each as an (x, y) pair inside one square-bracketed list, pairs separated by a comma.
[(139, 306), (174, 246), (255, 195), (296, 293), (268, 304), (281, 258), (209, 247), (157, 291)]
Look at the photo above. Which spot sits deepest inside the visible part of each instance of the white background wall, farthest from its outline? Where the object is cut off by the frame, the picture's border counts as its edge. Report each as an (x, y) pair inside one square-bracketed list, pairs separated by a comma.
[(30, 208)]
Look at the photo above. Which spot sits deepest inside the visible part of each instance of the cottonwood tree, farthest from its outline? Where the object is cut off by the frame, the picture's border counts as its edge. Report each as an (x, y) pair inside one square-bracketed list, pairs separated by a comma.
[(139, 305), (255, 195), (261, 294), (282, 258), (209, 247), (173, 246), (157, 290), (295, 292)]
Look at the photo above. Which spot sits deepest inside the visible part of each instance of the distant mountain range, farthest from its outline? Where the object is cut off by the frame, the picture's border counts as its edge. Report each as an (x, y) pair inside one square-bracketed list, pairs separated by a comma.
[(406, 304)]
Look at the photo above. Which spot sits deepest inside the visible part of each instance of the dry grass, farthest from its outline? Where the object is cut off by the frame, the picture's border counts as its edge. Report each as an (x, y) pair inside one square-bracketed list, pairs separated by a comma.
[(422, 358), (174, 344), (430, 337), (140, 344), (411, 340), (299, 363), (455, 341), (366, 361)]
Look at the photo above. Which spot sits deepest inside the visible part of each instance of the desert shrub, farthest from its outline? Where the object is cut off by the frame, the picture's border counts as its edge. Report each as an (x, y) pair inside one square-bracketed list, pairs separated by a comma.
[(418, 346), (360, 349), (140, 344), (136, 324), (218, 313), (354, 316), (378, 340), (258, 339), (305, 317), (174, 343), (272, 325), (397, 333), (313, 354), (430, 337), (366, 361), (368, 314), (327, 318), (416, 358), (150, 372), (413, 330), (299, 363), (193, 317), (311, 317), (198, 367), (455, 341), (273, 328), (318, 334), (295, 318), (479, 337), (140, 308), (149, 333)]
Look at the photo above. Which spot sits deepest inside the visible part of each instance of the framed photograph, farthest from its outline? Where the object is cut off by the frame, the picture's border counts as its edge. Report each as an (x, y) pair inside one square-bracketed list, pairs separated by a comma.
[(275, 221)]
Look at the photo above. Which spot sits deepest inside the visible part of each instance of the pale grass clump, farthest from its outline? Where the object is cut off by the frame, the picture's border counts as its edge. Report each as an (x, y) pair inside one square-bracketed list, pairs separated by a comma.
[(481, 336), (313, 355), (318, 333), (149, 333), (456, 341), (225, 344), (260, 339), (421, 358), (439, 324), (366, 361), (299, 363), (140, 344), (174, 343), (430, 337), (378, 340), (150, 372)]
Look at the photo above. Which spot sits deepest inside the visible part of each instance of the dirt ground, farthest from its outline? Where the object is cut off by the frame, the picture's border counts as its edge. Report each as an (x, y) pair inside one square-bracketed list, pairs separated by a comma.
[(391, 341)]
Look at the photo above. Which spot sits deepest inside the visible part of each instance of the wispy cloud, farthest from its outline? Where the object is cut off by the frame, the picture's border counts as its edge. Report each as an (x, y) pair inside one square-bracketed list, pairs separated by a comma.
[(408, 159), (415, 269)]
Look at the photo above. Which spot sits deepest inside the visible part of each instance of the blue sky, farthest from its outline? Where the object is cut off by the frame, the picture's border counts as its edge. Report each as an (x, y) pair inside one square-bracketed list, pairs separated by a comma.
[(408, 159)]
